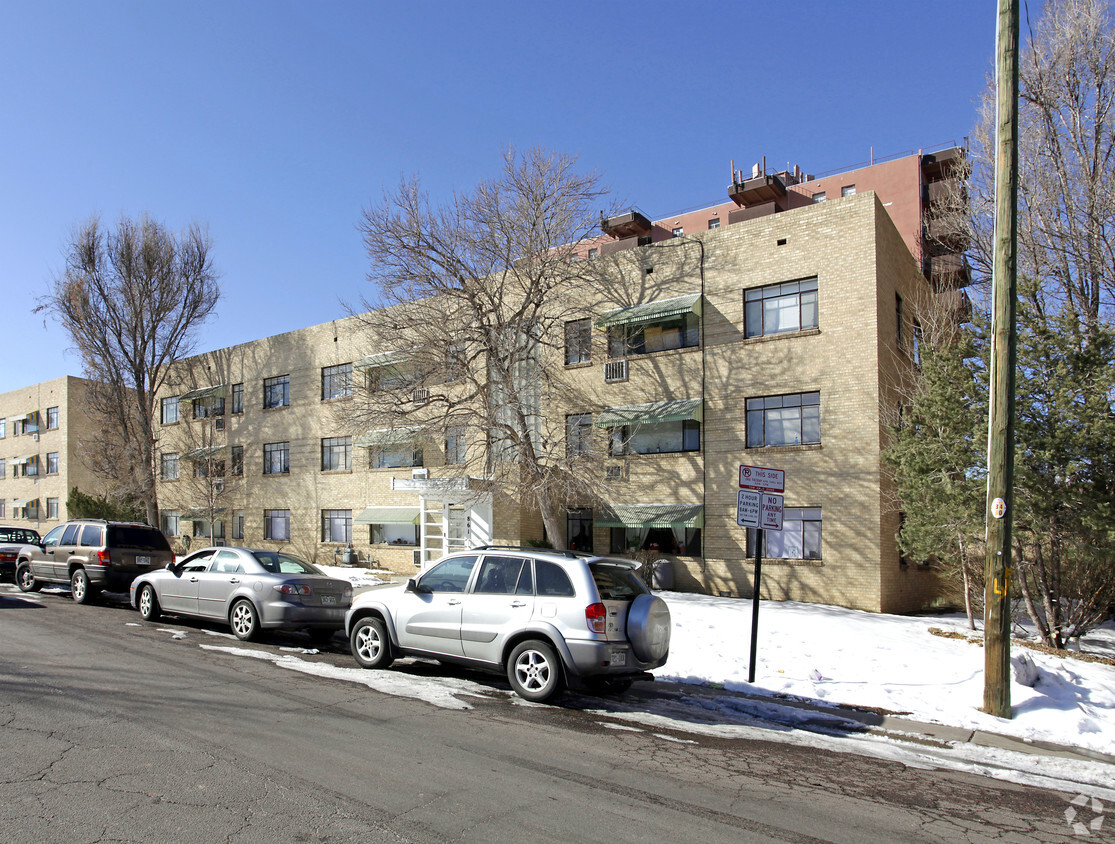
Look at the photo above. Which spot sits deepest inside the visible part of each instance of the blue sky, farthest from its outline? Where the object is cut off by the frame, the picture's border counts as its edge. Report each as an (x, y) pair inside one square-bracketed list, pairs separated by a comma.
[(274, 123)]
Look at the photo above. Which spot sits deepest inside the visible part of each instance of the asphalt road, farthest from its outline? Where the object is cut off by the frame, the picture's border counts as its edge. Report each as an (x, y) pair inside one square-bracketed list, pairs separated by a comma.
[(111, 729)]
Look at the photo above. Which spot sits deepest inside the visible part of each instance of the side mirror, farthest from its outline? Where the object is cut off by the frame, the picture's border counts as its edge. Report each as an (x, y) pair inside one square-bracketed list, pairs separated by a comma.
[(411, 586)]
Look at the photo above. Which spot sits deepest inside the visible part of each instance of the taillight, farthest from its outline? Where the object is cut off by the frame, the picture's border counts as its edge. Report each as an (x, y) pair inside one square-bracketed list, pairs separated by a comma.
[(293, 589), (7, 557), (596, 615), (104, 558)]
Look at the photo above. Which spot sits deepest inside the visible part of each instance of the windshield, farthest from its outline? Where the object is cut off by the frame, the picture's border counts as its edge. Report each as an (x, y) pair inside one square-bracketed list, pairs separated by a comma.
[(617, 583), (279, 563), (142, 538), (21, 535)]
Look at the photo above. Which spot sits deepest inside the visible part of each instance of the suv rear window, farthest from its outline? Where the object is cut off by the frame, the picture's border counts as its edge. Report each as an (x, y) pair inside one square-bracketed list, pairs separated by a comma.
[(617, 583), (145, 538)]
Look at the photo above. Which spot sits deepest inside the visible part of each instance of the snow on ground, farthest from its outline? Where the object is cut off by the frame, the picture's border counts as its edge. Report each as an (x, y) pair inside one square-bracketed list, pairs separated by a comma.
[(838, 656)]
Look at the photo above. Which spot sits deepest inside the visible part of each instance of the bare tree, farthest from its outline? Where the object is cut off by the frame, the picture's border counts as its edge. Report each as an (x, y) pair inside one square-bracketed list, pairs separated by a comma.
[(132, 300), (1064, 470), (471, 343)]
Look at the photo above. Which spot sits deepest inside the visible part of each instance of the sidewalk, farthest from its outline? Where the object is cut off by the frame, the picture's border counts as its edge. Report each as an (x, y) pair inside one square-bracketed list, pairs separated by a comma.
[(834, 719)]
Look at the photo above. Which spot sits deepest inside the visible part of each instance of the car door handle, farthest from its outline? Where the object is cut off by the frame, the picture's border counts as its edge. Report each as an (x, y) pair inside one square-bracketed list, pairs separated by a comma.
[(193, 579), (518, 603), (453, 601), (234, 580)]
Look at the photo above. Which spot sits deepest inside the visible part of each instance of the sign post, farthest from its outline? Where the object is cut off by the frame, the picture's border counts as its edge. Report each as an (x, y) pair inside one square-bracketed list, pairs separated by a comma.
[(757, 507)]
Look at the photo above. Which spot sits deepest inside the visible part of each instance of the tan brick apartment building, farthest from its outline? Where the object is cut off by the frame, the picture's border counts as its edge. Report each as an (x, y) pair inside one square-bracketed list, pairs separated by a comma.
[(770, 330), (40, 452)]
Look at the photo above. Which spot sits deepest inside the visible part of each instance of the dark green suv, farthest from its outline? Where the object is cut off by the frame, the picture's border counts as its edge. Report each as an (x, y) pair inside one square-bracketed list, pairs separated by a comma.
[(91, 555)]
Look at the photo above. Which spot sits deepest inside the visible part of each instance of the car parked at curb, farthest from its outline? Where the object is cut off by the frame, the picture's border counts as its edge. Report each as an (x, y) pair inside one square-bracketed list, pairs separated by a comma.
[(11, 540), (545, 619), (91, 555), (247, 588)]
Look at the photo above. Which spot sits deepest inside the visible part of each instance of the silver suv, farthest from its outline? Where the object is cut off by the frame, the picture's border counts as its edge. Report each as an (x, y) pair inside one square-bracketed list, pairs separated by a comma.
[(91, 555), (547, 619)]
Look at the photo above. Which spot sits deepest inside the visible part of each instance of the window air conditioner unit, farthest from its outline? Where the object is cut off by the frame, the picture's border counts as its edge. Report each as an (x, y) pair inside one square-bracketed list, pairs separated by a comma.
[(35, 436), (420, 473), (421, 395), (219, 423), (417, 555), (219, 542), (615, 370), (219, 484), (614, 471)]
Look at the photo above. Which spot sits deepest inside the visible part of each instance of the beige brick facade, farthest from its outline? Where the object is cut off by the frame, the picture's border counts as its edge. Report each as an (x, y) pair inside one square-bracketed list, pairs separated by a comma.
[(41, 452), (852, 359)]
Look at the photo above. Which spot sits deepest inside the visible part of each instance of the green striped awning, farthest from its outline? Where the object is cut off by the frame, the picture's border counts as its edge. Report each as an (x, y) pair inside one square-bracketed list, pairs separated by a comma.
[(387, 516), (381, 359), (655, 411), (217, 391), (652, 515), (652, 311), (383, 437), (201, 513), (204, 453)]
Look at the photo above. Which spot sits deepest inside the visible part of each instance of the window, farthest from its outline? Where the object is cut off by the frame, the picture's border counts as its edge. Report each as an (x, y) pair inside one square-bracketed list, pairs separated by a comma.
[(678, 231), (3, 508), (380, 458), (456, 360), (898, 333), (336, 381), (393, 534), (236, 453), (52, 508), (52, 462), (578, 527), (276, 391), (778, 308), (31, 511), (3, 467), (578, 434), (237, 524), (52, 420), (455, 445), (209, 468), (848, 190), (3, 428), (799, 539), (681, 541), (504, 576), (676, 332), (578, 341), (655, 438), (793, 419), (820, 196), (452, 575), (170, 522), (238, 398), (31, 467), (276, 525), (209, 407), (336, 453), (169, 410), (336, 525), (276, 458), (168, 466), (593, 253), (714, 223)]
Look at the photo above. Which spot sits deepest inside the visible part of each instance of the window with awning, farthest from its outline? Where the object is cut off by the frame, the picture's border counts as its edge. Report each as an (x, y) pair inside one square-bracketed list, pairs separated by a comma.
[(642, 414), (652, 515), (387, 437), (216, 391), (666, 427), (652, 311), (387, 516), (205, 453)]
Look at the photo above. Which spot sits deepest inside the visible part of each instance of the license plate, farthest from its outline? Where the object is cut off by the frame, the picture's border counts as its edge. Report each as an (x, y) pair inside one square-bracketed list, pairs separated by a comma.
[(142, 561), (329, 599), (618, 658)]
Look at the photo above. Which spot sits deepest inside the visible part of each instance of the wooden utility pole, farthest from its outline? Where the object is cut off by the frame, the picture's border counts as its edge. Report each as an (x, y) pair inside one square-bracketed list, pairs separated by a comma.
[(1000, 428)]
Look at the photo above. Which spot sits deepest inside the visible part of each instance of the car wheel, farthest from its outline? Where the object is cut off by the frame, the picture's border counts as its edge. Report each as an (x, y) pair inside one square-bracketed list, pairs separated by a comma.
[(80, 588), (25, 580), (370, 644), (148, 604), (242, 617), (534, 671), (648, 628)]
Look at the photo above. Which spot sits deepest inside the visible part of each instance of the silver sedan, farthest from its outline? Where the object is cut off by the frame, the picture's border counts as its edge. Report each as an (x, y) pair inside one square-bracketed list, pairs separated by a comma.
[(248, 589)]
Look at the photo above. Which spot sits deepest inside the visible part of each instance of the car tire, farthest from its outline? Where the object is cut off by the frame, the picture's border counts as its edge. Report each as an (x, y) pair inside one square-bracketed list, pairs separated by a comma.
[(147, 603), (25, 580), (244, 620), (648, 628), (370, 644), (534, 671), (81, 589)]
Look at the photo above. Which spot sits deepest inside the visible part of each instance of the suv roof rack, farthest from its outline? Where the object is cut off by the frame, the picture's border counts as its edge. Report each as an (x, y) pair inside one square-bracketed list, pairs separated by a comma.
[(563, 552)]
